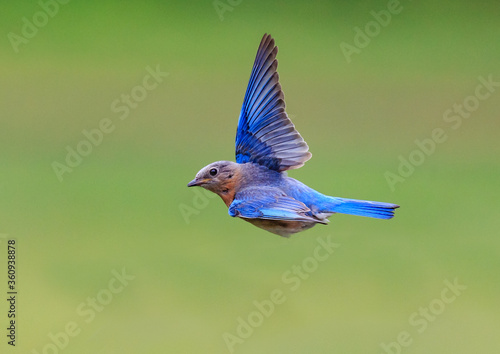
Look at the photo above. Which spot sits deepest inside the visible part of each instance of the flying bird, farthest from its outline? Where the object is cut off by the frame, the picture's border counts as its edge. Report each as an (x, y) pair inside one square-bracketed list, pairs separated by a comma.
[(256, 187)]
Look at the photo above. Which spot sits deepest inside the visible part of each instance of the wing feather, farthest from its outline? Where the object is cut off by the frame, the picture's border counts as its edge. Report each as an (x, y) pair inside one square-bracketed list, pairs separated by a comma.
[(268, 203), (265, 133)]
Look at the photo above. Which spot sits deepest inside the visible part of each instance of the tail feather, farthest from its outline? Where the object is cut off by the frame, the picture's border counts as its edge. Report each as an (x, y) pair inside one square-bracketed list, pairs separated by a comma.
[(377, 210)]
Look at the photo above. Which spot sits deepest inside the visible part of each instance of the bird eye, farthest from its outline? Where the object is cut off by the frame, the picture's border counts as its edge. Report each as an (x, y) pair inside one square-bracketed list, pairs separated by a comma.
[(213, 172)]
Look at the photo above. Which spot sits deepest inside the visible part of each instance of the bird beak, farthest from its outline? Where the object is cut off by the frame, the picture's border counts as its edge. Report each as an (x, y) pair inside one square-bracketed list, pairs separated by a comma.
[(193, 183), (197, 182)]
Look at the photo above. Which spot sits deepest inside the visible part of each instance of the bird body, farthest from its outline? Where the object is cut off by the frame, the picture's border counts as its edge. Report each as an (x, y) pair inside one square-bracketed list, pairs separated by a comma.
[(256, 187), (277, 203)]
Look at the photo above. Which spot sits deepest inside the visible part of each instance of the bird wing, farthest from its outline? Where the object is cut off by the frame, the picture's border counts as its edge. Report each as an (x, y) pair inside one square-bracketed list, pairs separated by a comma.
[(266, 203), (265, 134)]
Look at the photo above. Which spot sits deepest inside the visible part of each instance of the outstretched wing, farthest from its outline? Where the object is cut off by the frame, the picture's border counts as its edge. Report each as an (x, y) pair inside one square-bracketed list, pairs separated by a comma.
[(262, 203), (265, 134)]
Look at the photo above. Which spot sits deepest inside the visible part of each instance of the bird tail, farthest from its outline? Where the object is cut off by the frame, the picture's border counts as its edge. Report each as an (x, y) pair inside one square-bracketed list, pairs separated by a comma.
[(377, 210)]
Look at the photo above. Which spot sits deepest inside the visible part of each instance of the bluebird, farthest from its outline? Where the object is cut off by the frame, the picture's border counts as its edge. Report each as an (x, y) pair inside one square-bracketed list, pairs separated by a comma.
[(256, 187)]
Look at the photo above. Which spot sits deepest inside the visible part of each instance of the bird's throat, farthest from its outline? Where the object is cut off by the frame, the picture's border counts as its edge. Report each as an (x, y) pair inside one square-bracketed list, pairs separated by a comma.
[(227, 197), (228, 189)]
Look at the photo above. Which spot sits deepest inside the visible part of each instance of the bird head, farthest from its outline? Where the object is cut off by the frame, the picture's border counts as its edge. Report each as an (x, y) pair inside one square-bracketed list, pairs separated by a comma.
[(220, 177)]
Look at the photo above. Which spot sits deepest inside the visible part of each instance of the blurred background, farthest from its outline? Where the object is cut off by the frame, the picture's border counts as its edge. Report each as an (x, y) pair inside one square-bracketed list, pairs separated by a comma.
[(117, 255)]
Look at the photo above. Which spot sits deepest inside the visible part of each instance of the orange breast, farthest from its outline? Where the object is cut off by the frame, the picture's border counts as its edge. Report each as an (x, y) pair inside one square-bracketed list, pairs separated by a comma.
[(228, 197), (230, 187)]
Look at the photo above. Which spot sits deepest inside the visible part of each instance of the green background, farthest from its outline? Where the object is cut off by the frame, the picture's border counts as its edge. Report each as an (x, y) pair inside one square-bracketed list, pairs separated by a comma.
[(196, 274)]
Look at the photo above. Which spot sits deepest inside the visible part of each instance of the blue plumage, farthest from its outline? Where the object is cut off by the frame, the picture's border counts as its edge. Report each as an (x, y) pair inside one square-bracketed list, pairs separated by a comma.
[(265, 134), (256, 187)]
